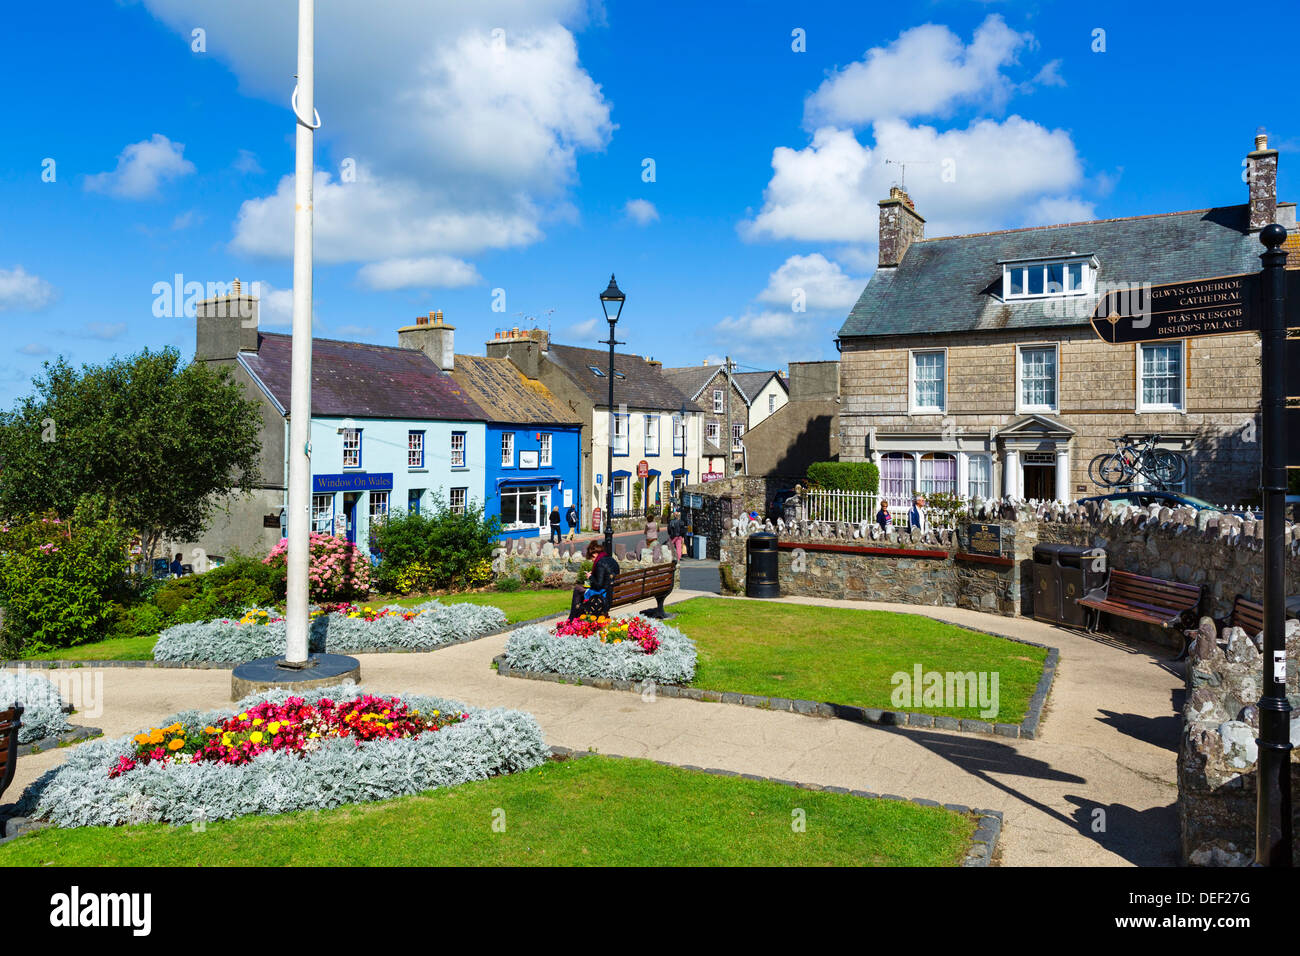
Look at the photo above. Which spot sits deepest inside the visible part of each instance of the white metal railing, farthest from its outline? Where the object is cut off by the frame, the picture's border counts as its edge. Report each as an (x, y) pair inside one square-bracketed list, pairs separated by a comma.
[(820, 504)]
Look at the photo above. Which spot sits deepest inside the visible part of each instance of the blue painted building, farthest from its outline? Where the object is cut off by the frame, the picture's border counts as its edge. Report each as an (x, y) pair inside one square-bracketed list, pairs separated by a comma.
[(533, 445)]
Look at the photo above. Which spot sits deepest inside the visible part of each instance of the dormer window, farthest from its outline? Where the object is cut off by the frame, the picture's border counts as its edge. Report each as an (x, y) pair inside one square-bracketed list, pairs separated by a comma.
[(1035, 279)]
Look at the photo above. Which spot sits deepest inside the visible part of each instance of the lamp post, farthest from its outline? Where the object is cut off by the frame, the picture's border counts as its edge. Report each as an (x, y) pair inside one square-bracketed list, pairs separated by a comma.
[(611, 300), (681, 480)]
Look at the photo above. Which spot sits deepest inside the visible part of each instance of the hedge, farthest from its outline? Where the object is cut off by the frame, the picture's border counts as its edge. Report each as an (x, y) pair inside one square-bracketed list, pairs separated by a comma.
[(845, 475)]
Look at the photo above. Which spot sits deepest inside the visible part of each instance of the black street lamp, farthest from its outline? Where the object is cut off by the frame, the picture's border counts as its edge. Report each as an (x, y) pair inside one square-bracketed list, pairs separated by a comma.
[(611, 300), (681, 480)]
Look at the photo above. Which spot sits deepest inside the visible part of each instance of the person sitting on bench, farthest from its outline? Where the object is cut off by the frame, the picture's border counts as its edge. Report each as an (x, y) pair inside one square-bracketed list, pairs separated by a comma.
[(595, 597)]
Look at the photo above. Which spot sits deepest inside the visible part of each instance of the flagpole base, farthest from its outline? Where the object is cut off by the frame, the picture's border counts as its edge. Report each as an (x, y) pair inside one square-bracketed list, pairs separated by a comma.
[(269, 673)]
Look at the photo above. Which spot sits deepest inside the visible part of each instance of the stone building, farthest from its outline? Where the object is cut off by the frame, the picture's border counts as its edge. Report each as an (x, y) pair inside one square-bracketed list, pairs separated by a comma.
[(707, 387), (968, 363)]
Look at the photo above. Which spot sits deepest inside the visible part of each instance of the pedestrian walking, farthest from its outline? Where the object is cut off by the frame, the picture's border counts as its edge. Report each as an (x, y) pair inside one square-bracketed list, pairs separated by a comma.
[(571, 516), (916, 517), (555, 524), (677, 534)]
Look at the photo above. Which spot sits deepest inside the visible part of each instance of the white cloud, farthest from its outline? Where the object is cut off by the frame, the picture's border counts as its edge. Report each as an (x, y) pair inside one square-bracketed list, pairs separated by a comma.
[(445, 272), (23, 291), (141, 168), (985, 176), (823, 284), (1052, 210), (759, 335), (583, 329), (469, 137), (34, 348), (641, 211), (1050, 75), (246, 162), (275, 306), (926, 71), (186, 219)]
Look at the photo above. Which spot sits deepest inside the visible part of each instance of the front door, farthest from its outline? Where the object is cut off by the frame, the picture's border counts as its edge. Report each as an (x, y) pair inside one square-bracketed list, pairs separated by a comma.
[(350, 501), (1040, 482)]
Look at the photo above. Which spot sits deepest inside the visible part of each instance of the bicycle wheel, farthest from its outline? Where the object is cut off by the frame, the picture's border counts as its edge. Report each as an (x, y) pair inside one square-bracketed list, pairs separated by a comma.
[(1114, 470), (1167, 468)]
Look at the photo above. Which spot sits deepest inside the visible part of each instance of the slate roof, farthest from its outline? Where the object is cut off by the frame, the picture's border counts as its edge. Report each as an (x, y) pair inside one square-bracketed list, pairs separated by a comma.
[(691, 379), (363, 381), (503, 392), (643, 385), (952, 284), (751, 383)]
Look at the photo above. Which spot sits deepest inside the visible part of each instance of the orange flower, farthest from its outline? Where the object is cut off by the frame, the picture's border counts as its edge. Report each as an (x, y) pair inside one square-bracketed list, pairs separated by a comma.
[(176, 744)]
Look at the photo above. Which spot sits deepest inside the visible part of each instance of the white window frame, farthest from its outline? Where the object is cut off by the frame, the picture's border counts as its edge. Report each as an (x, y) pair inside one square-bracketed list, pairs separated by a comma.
[(737, 436), (457, 500), (679, 434), (544, 450), (913, 407), (771, 404), (652, 431), (1181, 406), (1087, 278), (322, 506), (719, 401), (351, 452), (377, 515), (620, 439), (458, 449), (1022, 407), (713, 432), (415, 448), (987, 468), (621, 481), (507, 449)]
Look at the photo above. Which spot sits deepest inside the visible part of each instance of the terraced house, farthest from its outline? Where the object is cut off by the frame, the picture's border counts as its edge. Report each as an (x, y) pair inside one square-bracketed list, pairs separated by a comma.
[(968, 364)]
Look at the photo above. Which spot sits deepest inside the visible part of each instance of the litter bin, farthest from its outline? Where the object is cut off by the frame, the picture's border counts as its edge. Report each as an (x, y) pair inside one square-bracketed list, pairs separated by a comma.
[(1047, 583), (1083, 569), (699, 546), (1063, 573), (762, 578)]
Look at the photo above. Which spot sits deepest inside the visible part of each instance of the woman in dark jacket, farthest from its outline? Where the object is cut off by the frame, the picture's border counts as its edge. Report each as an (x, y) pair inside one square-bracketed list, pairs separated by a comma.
[(595, 597), (883, 517)]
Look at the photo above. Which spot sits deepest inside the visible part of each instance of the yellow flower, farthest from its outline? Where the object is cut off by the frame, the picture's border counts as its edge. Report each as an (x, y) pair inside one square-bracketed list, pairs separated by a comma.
[(243, 716), (435, 713), (258, 721), (141, 739), (155, 736), (273, 726), (211, 730), (255, 736), (176, 744)]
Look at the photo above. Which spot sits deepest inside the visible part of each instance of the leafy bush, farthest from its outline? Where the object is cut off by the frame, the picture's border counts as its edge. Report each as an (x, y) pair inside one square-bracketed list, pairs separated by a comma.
[(44, 715), (535, 648), (81, 792), (450, 547), (532, 574), (420, 628), (845, 475), (509, 585), (554, 579), (138, 620), (221, 592), (338, 570), (59, 578)]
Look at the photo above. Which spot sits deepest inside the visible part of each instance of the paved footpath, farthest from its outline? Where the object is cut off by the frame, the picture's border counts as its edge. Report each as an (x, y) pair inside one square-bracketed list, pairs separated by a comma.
[(1108, 739)]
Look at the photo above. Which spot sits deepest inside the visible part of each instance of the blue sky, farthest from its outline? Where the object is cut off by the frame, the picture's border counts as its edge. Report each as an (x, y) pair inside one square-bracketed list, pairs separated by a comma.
[(505, 148)]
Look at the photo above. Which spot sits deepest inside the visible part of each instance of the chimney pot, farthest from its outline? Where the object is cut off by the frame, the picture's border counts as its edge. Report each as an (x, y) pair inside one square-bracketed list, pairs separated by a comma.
[(1261, 182), (900, 226)]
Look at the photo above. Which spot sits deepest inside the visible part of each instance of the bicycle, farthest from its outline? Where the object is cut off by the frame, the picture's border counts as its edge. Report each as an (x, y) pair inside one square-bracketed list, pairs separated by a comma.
[(1137, 459)]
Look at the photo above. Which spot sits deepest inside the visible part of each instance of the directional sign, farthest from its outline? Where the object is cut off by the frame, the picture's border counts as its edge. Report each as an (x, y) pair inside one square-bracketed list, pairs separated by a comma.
[(1222, 305)]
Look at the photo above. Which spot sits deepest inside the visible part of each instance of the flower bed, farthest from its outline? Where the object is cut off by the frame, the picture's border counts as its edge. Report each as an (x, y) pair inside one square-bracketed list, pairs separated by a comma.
[(354, 758), (620, 648), (339, 629), (44, 714)]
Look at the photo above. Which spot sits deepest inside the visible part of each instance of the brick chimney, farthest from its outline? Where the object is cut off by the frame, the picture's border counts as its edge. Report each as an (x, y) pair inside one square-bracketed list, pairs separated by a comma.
[(1261, 180), (899, 226), (432, 336), (225, 324), (523, 347)]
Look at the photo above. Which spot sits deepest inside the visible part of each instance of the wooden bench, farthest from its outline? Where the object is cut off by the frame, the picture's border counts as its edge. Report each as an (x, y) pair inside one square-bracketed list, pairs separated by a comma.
[(1140, 598), (11, 721), (655, 582)]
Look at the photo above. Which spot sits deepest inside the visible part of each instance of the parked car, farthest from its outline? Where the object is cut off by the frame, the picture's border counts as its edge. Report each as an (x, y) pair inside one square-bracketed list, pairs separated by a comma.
[(1171, 499)]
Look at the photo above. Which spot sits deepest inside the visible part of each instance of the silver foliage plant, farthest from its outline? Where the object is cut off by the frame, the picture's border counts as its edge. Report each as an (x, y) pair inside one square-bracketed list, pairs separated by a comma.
[(225, 641), (80, 792), (44, 714), (535, 648)]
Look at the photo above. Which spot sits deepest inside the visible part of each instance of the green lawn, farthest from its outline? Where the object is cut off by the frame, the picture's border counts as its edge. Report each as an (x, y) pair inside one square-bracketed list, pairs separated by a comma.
[(594, 811), (114, 649), (845, 656)]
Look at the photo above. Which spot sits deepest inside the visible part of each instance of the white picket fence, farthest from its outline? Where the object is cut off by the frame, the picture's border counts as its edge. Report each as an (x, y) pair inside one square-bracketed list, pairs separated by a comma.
[(820, 504)]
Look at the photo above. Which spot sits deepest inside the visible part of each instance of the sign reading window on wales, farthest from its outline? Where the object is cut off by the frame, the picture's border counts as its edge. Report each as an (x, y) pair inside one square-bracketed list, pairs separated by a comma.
[(373, 481)]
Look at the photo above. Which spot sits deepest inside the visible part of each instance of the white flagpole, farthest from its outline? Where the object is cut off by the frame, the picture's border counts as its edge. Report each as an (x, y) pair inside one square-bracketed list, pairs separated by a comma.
[(299, 511)]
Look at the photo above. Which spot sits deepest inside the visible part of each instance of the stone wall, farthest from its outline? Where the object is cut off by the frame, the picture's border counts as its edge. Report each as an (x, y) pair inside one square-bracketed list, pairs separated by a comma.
[(728, 499), (511, 557), (1221, 551), (1217, 752)]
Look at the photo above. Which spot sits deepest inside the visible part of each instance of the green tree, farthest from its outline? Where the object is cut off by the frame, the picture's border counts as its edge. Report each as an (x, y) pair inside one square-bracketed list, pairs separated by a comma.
[(162, 442)]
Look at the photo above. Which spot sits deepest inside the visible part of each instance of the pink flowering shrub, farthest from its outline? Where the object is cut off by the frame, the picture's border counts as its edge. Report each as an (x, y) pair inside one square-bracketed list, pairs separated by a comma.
[(338, 570)]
